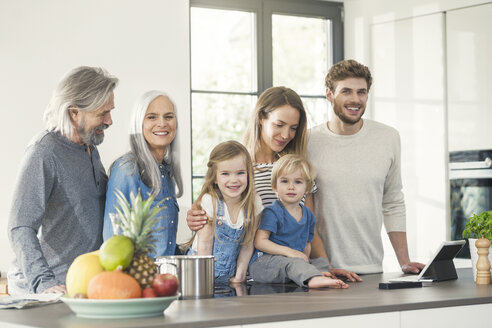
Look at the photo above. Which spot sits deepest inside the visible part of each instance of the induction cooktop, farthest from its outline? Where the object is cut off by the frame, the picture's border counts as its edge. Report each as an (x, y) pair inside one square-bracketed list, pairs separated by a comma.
[(254, 288)]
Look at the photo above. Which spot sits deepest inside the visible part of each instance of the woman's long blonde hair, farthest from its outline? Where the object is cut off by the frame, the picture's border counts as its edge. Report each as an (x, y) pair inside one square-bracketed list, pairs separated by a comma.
[(271, 99), (223, 152)]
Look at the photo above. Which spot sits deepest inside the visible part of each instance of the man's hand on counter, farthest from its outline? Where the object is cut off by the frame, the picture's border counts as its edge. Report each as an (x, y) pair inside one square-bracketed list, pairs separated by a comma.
[(351, 276), (56, 289), (412, 267)]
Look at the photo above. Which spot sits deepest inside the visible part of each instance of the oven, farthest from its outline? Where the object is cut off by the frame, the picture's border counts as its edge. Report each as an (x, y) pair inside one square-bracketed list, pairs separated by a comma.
[(470, 175)]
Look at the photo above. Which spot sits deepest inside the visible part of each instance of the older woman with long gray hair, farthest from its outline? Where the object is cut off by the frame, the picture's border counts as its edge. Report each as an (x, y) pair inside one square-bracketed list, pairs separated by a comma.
[(151, 167)]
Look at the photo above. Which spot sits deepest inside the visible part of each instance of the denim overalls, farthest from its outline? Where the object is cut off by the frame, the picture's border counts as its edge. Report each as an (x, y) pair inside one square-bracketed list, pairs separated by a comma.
[(227, 245)]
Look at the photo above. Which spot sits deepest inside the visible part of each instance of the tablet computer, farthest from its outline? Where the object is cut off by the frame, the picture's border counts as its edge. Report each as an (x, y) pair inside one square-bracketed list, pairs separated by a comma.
[(441, 266)]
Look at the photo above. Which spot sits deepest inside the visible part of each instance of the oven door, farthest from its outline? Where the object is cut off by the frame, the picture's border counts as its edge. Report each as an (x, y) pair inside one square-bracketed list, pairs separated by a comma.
[(471, 193)]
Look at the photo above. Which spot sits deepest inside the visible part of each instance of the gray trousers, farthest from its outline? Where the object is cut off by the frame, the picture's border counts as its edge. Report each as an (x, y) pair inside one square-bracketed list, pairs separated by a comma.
[(280, 269)]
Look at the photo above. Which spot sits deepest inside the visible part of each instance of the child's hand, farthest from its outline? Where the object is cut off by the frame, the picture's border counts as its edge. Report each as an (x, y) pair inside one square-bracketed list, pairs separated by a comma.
[(295, 253), (239, 286), (235, 280)]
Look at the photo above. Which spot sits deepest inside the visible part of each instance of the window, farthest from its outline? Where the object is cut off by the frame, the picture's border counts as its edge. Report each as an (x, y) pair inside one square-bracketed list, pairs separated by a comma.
[(240, 48)]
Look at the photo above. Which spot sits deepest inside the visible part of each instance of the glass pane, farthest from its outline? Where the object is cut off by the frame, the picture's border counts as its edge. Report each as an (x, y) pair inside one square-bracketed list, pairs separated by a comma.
[(301, 53), (317, 110), (197, 187), (222, 50), (217, 118)]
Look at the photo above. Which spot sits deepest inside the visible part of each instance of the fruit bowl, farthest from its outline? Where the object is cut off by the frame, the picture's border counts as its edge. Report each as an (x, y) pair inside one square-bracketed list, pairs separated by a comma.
[(124, 308)]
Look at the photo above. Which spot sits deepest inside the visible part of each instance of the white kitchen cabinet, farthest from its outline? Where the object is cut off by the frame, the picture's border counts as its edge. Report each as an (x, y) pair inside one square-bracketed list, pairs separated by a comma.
[(469, 77), (373, 320), (409, 95), (454, 316)]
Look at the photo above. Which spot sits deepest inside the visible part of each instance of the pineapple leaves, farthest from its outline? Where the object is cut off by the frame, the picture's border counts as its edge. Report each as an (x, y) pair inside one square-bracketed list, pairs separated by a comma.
[(138, 218)]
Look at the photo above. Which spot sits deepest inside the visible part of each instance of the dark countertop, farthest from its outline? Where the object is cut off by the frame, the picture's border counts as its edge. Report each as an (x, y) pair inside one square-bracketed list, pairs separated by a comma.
[(360, 298)]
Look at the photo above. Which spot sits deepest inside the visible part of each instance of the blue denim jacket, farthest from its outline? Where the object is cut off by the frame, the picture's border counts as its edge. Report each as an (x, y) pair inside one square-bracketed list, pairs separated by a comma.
[(127, 180), (226, 249)]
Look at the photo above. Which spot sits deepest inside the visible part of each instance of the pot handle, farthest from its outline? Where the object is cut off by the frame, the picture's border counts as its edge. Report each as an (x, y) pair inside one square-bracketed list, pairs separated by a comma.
[(173, 271)]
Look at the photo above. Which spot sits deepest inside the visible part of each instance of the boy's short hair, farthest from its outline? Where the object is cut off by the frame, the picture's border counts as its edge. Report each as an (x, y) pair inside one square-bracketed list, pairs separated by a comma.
[(346, 69), (289, 163)]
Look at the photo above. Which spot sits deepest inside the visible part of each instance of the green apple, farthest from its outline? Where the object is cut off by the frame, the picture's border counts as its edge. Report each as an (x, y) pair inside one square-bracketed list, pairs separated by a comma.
[(116, 252)]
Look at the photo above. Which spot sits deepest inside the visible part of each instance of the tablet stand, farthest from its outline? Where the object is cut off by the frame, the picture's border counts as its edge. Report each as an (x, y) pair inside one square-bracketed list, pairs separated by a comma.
[(442, 266), (441, 271)]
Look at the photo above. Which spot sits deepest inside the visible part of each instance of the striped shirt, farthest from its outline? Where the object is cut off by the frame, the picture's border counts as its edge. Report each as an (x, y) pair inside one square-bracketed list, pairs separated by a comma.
[(263, 183)]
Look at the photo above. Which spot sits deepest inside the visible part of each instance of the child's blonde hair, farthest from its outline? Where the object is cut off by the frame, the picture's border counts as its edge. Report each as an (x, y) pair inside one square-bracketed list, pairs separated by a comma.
[(290, 163), (223, 152)]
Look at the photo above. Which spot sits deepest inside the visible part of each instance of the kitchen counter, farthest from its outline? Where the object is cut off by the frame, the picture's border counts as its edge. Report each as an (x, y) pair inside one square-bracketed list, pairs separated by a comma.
[(315, 306)]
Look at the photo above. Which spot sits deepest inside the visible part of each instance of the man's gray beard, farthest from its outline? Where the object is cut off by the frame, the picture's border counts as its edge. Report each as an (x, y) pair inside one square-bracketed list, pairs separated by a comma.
[(92, 138)]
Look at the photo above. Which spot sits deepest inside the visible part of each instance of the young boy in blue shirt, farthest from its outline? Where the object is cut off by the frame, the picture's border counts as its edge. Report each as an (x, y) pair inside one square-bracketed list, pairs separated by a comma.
[(283, 240)]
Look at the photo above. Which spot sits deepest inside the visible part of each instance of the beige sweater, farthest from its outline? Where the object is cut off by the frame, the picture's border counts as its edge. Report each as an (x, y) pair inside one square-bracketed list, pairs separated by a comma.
[(359, 188)]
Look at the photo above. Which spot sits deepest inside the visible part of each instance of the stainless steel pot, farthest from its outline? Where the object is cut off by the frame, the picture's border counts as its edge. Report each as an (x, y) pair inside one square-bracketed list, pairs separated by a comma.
[(195, 274)]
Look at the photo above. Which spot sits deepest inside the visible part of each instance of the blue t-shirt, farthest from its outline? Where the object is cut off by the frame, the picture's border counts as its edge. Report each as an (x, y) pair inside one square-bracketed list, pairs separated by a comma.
[(127, 180), (284, 228)]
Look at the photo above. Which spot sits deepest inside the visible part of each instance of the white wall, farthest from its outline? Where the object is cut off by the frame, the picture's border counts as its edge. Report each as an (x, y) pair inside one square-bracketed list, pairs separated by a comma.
[(363, 18), (144, 43)]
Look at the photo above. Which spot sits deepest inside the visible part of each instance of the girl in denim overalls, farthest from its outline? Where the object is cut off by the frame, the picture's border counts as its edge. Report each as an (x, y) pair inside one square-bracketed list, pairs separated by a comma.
[(230, 201)]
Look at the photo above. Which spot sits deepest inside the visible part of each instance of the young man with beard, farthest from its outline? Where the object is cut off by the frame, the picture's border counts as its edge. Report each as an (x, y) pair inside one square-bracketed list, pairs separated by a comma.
[(58, 203), (359, 179)]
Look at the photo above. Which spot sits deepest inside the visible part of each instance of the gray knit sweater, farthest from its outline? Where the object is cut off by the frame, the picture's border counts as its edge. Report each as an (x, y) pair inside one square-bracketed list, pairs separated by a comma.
[(360, 189), (57, 211)]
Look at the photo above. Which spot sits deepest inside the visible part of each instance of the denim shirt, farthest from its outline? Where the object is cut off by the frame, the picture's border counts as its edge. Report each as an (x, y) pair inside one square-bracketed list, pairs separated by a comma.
[(124, 178)]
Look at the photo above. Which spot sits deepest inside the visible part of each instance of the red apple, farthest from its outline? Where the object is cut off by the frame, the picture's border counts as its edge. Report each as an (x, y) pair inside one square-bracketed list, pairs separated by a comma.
[(165, 284), (148, 292)]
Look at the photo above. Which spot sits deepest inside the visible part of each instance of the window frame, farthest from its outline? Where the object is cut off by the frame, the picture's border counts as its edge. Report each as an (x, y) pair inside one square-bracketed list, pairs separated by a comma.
[(263, 10)]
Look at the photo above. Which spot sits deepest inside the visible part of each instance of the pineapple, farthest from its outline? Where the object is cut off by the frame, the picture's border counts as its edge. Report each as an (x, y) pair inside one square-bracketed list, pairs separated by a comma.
[(137, 219)]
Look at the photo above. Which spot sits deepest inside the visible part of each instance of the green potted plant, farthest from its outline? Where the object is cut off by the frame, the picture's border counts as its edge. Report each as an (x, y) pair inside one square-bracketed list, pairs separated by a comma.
[(478, 226)]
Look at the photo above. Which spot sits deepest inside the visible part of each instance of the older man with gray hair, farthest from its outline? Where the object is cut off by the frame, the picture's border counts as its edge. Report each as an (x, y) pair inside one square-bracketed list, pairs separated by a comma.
[(58, 203)]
